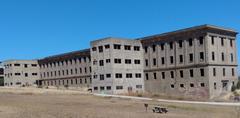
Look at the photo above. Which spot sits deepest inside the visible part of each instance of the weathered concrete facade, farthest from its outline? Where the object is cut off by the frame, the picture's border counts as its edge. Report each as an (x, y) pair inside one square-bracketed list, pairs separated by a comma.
[(181, 63), (21, 72), (66, 70), (117, 66)]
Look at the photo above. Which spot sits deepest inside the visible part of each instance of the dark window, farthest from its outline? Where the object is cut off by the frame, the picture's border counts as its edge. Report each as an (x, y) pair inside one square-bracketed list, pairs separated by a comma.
[(181, 73), (146, 62), (202, 85), (95, 88), (129, 75), (222, 56), (224, 72), (16, 64), (191, 57), (25, 65), (146, 49), (146, 76), (172, 74), (94, 49), (101, 77), (137, 61), (163, 75), (181, 58), (109, 87), (155, 75), (107, 46), (201, 56), (154, 48), (191, 72), (136, 48), (171, 59), (163, 61), (190, 42), (231, 57), (191, 85), (26, 74), (162, 46), (138, 75), (34, 65), (119, 87), (118, 75), (233, 72), (102, 88), (117, 46), (231, 42), (101, 63), (182, 85), (212, 38), (215, 85), (127, 47), (108, 61), (213, 56), (117, 61), (128, 61), (154, 61), (108, 75), (222, 41), (201, 40), (214, 71), (180, 43), (139, 86), (172, 85), (202, 72), (171, 45)]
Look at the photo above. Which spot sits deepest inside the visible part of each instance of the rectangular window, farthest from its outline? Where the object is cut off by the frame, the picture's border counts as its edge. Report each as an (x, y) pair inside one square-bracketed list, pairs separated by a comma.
[(136, 61), (16, 64), (118, 75), (231, 57), (172, 74), (212, 38), (172, 85), (155, 75), (224, 72), (233, 72), (127, 47), (202, 72), (171, 59), (154, 62), (182, 85), (180, 43), (190, 42), (222, 41), (180, 58), (94, 49), (108, 75), (117, 46), (181, 73), (163, 61), (101, 77), (191, 72), (231, 42), (162, 46), (171, 45), (138, 86), (202, 85), (213, 56), (129, 75), (214, 72), (136, 48), (223, 56), (34, 65), (201, 40), (108, 60), (26, 74), (146, 49), (101, 63), (154, 48), (128, 61), (107, 46), (163, 75), (117, 61), (146, 75), (201, 56), (138, 75), (102, 88), (215, 85), (119, 87), (100, 48), (146, 62), (190, 57), (109, 87), (191, 85)]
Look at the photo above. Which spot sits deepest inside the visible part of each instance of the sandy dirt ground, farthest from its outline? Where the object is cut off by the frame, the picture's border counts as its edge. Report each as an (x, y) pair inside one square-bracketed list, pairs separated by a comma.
[(47, 103)]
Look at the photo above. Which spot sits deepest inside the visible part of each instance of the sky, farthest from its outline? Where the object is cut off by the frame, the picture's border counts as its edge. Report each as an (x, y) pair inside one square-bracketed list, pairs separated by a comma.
[(32, 29)]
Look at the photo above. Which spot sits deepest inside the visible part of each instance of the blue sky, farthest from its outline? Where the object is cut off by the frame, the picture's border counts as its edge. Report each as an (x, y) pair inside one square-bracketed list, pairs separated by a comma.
[(32, 29)]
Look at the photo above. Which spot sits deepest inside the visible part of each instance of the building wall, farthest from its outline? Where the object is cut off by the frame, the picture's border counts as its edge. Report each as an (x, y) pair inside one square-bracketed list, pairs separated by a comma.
[(72, 70), (1, 76), (129, 82), (21, 72)]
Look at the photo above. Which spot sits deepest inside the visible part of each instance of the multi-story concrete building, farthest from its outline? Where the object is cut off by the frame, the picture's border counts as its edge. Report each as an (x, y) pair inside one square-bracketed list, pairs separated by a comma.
[(195, 62), (67, 70), (21, 72), (117, 66)]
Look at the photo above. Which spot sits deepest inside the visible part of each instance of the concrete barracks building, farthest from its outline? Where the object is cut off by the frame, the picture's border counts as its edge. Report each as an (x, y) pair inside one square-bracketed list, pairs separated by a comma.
[(197, 62)]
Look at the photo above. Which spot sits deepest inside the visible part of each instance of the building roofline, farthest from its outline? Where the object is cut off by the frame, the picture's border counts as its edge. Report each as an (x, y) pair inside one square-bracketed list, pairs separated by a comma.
[(106, 38), (190, 29)]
